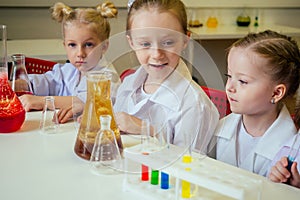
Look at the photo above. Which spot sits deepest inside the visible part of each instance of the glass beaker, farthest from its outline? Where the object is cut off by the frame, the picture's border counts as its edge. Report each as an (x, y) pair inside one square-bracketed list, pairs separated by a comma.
[(98, 103), (106, 158), (19, 79), (49, 121), (12, 113)]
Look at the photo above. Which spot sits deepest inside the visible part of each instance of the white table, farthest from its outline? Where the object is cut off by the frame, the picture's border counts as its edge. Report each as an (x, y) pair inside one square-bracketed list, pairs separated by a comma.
[(35, 166)]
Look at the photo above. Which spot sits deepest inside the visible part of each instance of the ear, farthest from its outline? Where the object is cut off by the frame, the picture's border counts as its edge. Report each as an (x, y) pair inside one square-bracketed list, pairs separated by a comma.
[(279, 92), (130, 41), (186, 41), (104, 46)]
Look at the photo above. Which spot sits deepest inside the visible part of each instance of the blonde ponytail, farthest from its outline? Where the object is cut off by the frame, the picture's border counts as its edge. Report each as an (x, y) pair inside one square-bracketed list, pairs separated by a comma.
[(107, 10)]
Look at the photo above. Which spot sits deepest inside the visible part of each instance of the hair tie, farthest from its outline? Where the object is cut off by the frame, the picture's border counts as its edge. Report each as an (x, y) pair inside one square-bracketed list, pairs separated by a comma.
[(129, 4), (67, 10)]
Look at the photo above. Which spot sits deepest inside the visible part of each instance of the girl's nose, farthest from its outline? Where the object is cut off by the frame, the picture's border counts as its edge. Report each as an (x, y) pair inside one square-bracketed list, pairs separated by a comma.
[(230, 86), (157, 53), (81, 52)]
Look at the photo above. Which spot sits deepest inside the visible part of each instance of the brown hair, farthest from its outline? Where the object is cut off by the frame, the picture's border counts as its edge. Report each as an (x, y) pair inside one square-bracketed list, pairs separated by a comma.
[(297, 114), (176, 7), (95, 18), (282, 53)]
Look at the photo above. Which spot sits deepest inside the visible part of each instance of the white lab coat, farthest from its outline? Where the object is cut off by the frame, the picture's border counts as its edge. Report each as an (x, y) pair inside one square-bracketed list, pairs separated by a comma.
[(179, 103), (260, 156), (65, 80)]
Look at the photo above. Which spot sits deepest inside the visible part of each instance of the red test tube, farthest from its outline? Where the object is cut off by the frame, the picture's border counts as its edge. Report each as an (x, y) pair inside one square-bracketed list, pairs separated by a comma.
[(145, 173)]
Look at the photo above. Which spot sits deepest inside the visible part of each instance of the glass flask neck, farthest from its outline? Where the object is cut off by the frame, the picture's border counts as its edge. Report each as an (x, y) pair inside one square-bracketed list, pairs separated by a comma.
[(3, 52), (105, 122), (18, 60)]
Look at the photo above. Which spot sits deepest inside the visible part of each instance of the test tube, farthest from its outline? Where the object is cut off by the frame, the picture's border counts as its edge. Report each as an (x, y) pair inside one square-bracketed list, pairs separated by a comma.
[(293, 151), (145, 173), (164, 180), (154, 177), (145, 134), (185, 185)]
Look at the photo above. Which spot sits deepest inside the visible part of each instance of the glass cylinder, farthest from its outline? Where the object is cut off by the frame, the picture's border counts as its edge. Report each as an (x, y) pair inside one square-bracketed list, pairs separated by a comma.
[(20, 81), (12, 113), (98, 103)]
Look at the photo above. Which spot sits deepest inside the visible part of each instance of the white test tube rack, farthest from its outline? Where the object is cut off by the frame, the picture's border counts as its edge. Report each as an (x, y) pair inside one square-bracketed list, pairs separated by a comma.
[(214, 179)]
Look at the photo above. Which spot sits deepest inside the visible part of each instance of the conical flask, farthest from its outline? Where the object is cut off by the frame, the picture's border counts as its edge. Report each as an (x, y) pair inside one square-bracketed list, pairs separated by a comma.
[(98, 103), (19, 79), (12, 113), (106, 158)]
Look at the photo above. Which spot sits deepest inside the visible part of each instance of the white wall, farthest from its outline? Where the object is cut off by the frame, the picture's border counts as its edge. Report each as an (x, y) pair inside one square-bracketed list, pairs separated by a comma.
[(36, 23)]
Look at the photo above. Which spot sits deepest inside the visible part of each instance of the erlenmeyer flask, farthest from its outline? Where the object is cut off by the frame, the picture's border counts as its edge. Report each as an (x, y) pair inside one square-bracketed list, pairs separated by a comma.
[(49, 122), (106, 158), (20, 81), (98, 103), (12, 113)]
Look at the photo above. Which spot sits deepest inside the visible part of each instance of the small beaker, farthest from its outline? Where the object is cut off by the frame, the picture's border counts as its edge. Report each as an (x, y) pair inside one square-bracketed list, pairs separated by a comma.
[(106, 158), (159, 138), (19, 79), (49, 121)]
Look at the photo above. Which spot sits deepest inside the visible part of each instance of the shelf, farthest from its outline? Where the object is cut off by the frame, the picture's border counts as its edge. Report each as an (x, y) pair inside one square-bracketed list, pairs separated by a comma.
[(235, 32)]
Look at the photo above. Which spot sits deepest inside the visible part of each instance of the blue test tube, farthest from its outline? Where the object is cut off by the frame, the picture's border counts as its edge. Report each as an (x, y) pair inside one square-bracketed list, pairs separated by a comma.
[(164, 180)]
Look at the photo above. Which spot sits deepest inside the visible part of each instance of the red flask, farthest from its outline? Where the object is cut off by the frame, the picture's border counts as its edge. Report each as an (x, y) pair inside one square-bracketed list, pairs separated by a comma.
[(12, 113)]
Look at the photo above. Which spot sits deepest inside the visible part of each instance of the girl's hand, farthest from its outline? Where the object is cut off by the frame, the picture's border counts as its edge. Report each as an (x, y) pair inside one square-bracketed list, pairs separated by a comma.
[(128, 123), (31, 102), (69, 112), (279, 173), (65, 114)]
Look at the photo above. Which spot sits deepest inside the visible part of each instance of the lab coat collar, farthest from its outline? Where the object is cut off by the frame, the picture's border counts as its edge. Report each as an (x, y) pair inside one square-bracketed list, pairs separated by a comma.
[(281, 129), (231, 128), (172, 91)]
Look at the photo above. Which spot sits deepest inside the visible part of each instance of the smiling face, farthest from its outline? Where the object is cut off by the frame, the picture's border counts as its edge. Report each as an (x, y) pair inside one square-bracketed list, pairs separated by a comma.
[(157, 39), (249, 88), (83, 46)]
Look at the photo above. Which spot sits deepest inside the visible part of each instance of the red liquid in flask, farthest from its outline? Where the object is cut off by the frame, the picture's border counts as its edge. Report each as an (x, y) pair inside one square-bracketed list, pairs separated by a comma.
[(12, 113)]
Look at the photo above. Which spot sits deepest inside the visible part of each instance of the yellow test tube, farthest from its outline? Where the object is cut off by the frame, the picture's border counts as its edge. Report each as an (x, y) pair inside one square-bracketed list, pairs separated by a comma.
[(185, 185)]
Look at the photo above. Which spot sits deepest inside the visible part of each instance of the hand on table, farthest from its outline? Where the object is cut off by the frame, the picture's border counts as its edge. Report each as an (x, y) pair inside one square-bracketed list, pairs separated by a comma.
[(280, 174), (31, 102), (65, 114)]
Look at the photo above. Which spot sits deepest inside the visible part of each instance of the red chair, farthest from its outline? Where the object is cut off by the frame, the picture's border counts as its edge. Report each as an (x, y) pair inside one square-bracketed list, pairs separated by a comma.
[(219, 98), (126, 72), (38, 66)]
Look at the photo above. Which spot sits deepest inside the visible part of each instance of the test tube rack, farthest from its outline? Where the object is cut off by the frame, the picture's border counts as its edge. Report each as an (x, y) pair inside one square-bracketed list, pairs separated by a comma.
[(214, 179)]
